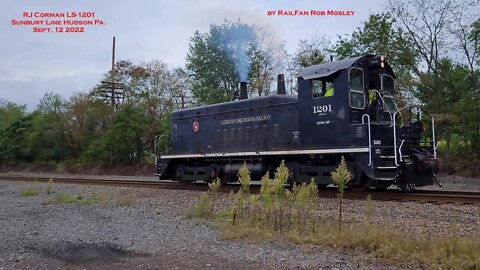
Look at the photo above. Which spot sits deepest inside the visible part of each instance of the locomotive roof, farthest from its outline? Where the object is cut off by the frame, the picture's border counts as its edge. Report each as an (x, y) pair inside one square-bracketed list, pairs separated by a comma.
[(242, 104), (324, 70)]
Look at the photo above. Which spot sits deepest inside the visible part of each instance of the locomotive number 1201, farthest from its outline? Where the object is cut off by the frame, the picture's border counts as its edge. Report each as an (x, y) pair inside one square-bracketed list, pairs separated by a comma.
[(322, 109)]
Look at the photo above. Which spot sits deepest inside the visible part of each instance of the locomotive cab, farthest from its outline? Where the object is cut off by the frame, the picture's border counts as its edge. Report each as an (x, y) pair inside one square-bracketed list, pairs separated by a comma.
[(363, 122)]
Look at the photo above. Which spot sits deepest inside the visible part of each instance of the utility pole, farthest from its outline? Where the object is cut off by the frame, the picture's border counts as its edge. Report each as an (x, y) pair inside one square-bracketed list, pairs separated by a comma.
[(112, 101), (111, 89)]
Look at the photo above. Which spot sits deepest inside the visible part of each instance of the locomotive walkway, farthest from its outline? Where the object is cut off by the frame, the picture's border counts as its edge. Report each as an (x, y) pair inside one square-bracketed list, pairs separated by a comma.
[(421, 196)]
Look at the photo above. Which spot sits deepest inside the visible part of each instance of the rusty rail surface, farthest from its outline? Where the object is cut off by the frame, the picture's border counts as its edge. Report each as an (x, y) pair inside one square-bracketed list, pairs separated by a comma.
[(422, 196), (113, 182)]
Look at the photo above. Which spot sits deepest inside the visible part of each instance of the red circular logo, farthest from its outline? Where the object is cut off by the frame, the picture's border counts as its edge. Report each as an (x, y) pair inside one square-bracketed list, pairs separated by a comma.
[(196, 126)]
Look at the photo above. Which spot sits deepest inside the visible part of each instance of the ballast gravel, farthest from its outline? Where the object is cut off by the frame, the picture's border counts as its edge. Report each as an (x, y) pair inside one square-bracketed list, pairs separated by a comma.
[(154, 232)]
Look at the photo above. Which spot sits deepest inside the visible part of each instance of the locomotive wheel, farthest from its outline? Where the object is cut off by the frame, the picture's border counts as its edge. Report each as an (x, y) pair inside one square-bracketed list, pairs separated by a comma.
[(222, 177), (291, 177), (382, 186), (213, 175), (178, 173), (362, 187), (362, 181), (322, 186), (408, 187)]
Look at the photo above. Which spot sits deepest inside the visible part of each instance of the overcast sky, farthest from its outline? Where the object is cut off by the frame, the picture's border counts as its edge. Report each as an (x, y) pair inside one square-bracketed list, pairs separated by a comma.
[(32, 64)]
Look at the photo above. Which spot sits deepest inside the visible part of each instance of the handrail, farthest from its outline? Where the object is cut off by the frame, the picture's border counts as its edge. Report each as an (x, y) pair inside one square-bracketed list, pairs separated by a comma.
[(433, 139), (369, 139), (400, 150), (395, 134), (396, 107), (155, 144), (155, 156), (434, 145), (156, 139), (383, 101)]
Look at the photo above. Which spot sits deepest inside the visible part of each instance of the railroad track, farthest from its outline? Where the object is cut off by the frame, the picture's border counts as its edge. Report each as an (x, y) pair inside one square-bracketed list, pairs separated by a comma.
[(113, 182), (422, 196)]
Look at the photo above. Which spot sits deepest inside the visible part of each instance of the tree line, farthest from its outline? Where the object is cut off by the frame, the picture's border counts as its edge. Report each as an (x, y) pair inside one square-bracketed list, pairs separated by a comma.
[(433, 47)]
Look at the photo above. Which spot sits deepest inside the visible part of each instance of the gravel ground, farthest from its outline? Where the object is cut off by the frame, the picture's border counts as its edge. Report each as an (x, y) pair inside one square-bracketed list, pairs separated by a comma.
[(456, 183), (153, 233)]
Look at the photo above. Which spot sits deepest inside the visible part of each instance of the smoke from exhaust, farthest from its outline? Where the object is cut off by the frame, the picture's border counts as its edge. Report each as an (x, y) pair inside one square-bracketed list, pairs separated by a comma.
[(236, 39)]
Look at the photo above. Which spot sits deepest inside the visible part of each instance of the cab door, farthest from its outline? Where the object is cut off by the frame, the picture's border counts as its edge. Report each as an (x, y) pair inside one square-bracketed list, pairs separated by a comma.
[(356, 95), (322, 111)]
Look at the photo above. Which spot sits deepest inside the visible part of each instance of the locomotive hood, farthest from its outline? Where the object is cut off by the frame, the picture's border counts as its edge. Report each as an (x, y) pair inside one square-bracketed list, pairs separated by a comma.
[(327, 69)]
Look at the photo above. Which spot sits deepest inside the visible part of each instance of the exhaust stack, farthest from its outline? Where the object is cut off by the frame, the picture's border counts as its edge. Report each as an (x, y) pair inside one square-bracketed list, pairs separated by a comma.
[(243, 90), (281, 90)]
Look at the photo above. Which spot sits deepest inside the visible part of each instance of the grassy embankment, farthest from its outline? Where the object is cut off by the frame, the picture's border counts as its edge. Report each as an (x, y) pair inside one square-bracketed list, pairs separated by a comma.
[(293, 215)]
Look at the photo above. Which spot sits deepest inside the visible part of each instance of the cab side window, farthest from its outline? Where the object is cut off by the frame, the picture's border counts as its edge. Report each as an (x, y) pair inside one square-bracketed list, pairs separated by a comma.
[(355, 82), (322, 88)]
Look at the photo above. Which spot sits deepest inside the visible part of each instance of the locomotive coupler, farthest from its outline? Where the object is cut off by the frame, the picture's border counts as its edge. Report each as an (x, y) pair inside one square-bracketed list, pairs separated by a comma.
[(433, 164)]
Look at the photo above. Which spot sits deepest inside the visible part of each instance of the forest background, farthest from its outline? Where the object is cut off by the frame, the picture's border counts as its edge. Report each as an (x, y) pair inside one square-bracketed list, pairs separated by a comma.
[(433, 47)]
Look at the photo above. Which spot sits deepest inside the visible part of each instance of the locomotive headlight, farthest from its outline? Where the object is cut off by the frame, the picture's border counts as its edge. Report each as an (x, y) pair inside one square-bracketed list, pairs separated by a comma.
[(382, 58)]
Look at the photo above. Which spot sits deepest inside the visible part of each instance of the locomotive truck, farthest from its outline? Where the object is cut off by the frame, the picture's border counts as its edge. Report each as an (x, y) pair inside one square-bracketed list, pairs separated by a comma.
[(342, 108)]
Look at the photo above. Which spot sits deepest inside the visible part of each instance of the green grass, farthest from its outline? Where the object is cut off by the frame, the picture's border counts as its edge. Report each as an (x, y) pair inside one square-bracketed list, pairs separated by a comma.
[(30, 191), (385, 242), (67, 198)]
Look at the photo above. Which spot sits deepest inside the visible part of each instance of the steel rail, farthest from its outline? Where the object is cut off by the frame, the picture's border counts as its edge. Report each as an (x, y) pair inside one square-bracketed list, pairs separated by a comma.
[(422, 196), (97, 181)]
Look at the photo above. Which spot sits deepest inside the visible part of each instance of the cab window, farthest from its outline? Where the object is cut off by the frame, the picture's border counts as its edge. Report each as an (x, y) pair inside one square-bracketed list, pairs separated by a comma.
[(388, 86), (355, 82), (389, 104), (322, 88), (388, 90)]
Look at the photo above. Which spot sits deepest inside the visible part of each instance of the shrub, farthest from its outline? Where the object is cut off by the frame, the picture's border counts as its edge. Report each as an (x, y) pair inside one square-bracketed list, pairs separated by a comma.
[(214, 187), (340, 177), (50, 186), (203, 208), (244, 179), (281, 176)]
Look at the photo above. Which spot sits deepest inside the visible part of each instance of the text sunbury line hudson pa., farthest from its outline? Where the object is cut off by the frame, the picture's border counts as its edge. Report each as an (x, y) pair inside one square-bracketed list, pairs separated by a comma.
[(57, 22)]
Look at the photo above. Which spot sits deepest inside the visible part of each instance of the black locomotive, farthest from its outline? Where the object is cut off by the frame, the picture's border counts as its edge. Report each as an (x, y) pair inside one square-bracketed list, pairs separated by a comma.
[(343, 108)]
